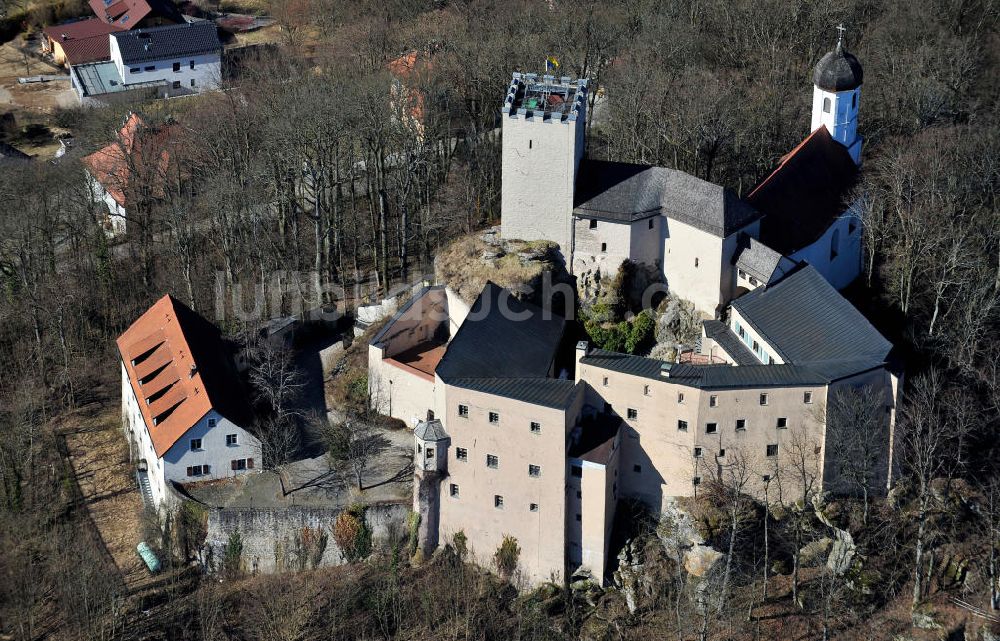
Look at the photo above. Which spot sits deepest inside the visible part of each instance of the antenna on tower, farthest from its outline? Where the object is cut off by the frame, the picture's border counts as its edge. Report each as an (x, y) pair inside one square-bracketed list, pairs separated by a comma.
[(840, 37)]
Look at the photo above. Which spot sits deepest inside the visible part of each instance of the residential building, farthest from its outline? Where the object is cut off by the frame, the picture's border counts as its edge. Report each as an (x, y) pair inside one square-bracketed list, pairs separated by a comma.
[(167, 61), (184, 410)]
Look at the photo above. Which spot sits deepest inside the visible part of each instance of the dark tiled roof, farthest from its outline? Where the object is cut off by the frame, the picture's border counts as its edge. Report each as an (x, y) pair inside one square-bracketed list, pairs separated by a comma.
[(624, 192), (809, 323), (171, 41), (430, 431), (595, 439), (756, 258), (707, 376), (727, 340), (805, 194), (502, 337), (556, 393), (838, 70)]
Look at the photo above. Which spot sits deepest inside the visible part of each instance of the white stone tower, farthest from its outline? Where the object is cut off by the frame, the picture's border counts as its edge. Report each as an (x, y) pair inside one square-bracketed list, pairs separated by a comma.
[(430, 467), (837, 97), (544, 120)]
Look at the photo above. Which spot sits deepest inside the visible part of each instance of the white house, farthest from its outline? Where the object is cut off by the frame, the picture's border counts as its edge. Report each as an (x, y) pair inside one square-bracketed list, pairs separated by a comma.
[(183, 408), (165, 61)]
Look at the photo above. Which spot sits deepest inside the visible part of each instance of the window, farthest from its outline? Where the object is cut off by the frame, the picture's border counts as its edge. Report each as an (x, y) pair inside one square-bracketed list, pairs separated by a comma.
[(604, 247), (530, 143), (763, 399), (637, 469), (753, 281), (453, 490), (192, 82), (807, 397), (854, 100), (533, 507), (197, 470), (492, 461), (536, 428), (461, 454), (711, 428), (151, 68), (576, 471), (742, 332), (534, 471), (196, 444), (177, 66), (579, 494), (650, 223), (212, 422), (722, 453), (137, 70), (645, 390), (741, 424), (782, 422), (697, 452), (177, 84), (232, 439), (835, 244), (765, 478), (680, 397), (696, 480), (605, 382), (593, 223), (742, 273), (463, 411), (682, 426), (770, 360), (494, 418), (826, 105), (695, 262), (192, 64), (756, 346), (632, 413), (713, 401), (420, 450), (772, 450), (498, 501), (241, 464), (430, 453)]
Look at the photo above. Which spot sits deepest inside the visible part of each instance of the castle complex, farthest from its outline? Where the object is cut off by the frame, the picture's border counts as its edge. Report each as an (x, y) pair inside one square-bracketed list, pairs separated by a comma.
[(520, 430)]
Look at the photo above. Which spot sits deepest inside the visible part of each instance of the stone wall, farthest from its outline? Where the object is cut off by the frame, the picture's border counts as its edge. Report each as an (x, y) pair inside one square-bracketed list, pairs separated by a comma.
[(278, 539)]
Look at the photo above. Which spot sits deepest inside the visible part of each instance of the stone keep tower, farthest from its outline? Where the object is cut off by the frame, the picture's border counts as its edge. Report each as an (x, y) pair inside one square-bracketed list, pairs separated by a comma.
[(837, 97), (430, 466), (544, 120)]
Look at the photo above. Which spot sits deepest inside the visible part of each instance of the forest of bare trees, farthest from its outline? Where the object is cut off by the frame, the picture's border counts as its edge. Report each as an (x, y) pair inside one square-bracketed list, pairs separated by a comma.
[(311, 173)]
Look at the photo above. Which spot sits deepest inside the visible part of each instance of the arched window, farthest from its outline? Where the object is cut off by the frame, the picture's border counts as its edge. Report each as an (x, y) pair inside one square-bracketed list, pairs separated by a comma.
[(854, 100), (826, 105), (835, 244)]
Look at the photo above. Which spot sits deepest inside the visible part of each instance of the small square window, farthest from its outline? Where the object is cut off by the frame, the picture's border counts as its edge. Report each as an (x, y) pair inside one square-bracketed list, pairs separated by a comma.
[(697, 452), (461, 454), (682, 426), (494, 418), (781, 423), (498, 501), (492, 461), (463, 411), (680, 397), (192, 82), (807, 397), (772, 450), (430, 453), (196, 444), (534, 471), (742, 273), (238, 464), (576, 471), (177, 84), (765, 478), (753, 281), (593, 223), (722, 453), (741, 424), (637, 469), (713, 401), (604, 248), (533, 507), (177, 66), (711, 428), (632, 413), (212, 422), (232, 439), (763, 399), (536, 428), (151, 68), (192, 64), (696, 480), (453, 490)]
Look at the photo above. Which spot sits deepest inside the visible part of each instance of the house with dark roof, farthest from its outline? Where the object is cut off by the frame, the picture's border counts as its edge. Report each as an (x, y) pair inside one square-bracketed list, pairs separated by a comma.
[(184, 409), (166, 61)]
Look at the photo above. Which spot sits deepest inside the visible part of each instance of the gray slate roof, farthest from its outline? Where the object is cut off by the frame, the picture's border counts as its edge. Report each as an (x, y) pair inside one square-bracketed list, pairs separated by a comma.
[(756, 258), (502, 337), (838, 70), (547, 392), (727, 340), (708, 376), (809, 323), (625, 192), (171, 41), (430, 431)]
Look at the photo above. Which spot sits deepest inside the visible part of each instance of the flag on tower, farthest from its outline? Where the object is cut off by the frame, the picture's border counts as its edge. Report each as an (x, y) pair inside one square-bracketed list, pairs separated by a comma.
[(551, 63)]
